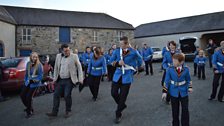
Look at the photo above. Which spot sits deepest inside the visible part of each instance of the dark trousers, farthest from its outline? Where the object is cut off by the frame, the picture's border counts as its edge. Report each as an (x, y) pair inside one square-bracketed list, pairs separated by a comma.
[(111, 71), (27, 97), (195, 68), (94, 83), (201, 71), (85, 71), (119, 93), (162, 83), (175, 104), (210, 60), (215, 85), (63, 86), (147, 65)]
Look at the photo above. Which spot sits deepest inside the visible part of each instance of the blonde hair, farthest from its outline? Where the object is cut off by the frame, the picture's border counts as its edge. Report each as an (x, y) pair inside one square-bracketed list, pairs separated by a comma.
[(36, 63)]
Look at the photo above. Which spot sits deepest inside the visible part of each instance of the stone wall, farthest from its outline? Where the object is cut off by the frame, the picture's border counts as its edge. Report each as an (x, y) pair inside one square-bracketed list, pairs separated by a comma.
[(45, 40)]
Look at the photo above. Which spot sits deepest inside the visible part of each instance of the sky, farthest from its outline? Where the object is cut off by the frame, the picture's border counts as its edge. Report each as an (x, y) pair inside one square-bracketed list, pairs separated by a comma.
[(135, 12)]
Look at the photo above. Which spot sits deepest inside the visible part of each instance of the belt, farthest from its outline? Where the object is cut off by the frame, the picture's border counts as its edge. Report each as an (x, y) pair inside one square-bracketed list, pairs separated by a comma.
[(201, 62), (178, 83), (127, 67), (97, 68), (220, 64), (149, 56)]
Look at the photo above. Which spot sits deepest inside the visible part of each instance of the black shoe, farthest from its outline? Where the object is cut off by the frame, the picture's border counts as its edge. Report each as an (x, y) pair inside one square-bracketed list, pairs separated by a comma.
[(199, 78), (151, 74), (220, 100), (51, 114), (167, 102), (203, 78), (195, 74), (118, 120), (210, 99), (28, 115), (67, 114), (146, 74), (25, 110), (94, 99)]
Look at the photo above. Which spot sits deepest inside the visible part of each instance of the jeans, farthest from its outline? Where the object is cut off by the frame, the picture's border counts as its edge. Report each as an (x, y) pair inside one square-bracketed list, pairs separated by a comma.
[(66, 86)]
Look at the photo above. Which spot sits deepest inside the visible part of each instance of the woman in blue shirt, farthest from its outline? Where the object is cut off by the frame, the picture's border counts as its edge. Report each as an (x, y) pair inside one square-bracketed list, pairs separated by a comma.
[(33, 77), (96, 69)]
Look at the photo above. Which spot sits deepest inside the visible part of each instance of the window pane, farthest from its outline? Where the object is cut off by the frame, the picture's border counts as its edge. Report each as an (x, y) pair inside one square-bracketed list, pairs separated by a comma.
[(24, 38), (29, 31), (28, 37), (24, 31), (11, 62), (64, 34)]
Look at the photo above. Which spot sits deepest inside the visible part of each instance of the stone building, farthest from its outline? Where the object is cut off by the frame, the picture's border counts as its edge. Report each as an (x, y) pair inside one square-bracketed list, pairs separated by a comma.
[(44, 30)]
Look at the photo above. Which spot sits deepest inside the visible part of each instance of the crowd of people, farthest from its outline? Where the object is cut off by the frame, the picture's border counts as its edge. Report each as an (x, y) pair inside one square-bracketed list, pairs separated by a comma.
[(120, 64)]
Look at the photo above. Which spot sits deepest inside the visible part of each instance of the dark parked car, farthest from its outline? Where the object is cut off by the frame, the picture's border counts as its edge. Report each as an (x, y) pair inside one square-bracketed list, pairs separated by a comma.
[(188, 46), (13, 73)]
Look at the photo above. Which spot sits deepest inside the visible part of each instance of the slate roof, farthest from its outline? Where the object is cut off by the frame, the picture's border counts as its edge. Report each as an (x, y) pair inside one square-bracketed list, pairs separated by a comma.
[(48, 17), (206, 22), (5, 16)]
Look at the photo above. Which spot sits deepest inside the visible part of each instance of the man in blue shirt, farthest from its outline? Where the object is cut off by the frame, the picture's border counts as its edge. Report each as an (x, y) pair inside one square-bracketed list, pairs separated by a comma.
[(218, 65), (147, 57), (126, 60)]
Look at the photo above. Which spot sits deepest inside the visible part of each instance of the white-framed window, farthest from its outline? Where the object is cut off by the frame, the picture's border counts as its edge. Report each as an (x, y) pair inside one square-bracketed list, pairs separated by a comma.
[(119, 35), (26, 35), (95, 36)]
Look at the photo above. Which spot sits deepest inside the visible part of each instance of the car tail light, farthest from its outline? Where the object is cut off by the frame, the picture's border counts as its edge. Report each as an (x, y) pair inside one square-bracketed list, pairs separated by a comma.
[(13, 73)]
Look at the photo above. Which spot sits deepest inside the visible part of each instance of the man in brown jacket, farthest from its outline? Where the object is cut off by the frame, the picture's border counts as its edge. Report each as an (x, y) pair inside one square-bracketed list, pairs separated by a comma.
[(65, 77)]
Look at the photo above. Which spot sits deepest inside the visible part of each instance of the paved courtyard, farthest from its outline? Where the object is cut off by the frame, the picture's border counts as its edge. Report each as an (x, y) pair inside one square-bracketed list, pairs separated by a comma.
[(145, 107)]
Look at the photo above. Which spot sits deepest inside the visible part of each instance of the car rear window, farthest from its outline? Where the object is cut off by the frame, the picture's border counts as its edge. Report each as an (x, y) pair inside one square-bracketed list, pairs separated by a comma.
[(8, 63), (156, 49)]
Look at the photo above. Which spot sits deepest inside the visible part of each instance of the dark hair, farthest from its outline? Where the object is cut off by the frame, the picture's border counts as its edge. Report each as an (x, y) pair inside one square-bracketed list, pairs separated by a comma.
[(173, 43), (64, 46), (125, 39), (179, 56), (98, 51)]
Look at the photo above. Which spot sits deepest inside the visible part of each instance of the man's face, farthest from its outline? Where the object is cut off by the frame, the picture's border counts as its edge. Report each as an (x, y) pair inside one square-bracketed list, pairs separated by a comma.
[(114, 46), (66, 51), (123, 45), (210, 41), (88, 50)]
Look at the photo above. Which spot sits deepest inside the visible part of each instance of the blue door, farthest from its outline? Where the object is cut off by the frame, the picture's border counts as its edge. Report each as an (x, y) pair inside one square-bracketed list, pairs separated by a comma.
[(25, 52), (1, 50)]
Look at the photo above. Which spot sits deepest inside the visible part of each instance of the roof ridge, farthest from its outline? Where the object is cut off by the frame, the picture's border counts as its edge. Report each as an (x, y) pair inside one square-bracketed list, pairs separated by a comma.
[(173, 19)]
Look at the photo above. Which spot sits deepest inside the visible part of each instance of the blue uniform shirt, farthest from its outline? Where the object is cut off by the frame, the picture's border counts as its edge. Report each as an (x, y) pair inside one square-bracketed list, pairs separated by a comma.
[(195, 56), (86, 58), (97, 67), (167, 59), (132, 58), (147, 53), (218, 61), (107, 57), (200, 60), (177, 84), (164, 50), (29, 76)]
